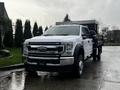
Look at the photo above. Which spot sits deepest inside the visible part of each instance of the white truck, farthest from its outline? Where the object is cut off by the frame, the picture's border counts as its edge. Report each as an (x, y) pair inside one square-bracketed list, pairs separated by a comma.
[(62, 48)]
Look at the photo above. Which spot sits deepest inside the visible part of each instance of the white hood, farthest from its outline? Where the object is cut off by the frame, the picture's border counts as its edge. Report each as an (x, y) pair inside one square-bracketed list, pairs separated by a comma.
[(53, 39)]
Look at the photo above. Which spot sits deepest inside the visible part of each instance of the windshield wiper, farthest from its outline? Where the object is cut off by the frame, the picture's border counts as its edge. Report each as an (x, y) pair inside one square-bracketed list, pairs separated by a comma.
[(48, 34), (55, 34), (63, 34)]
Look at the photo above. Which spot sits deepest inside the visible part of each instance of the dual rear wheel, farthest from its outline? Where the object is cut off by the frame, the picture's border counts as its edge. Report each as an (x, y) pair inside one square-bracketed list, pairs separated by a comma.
[(97, 54)]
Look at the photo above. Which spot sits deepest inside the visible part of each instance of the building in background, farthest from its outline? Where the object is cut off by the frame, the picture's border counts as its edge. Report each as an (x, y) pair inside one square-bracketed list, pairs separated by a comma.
[(113, 36), (116, 36)]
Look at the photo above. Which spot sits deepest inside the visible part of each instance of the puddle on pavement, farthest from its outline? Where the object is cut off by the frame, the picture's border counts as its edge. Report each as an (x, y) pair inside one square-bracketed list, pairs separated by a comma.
[(95, 76), (48, 81), (20, 80), (5, 83), (17, 81)]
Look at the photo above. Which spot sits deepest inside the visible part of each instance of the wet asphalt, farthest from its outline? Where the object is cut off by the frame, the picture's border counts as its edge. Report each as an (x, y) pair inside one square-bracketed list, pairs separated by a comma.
[(102, 75)]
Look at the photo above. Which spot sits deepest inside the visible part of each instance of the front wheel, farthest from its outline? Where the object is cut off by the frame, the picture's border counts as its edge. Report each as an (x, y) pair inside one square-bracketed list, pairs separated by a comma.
[(30, 72), (79, 65)]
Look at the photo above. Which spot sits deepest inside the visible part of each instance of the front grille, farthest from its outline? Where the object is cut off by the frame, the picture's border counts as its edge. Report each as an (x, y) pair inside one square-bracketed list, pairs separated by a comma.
[(39, 49)]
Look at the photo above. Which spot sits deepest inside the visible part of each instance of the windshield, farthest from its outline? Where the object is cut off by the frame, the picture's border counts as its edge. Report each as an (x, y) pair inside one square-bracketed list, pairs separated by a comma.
[(62, 30)]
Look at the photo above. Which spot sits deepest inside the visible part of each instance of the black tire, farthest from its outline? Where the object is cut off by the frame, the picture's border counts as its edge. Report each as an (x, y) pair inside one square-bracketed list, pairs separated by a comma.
[(94, 54), (99, 53), (99, 57), (79, 65), (30, 72)]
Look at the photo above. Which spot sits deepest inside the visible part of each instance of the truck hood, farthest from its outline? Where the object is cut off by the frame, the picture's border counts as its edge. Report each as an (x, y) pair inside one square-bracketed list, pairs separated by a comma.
[(53, 39)]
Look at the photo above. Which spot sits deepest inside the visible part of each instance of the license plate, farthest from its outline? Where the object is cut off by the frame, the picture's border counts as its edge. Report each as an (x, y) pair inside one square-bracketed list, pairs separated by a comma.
[(41, 64)]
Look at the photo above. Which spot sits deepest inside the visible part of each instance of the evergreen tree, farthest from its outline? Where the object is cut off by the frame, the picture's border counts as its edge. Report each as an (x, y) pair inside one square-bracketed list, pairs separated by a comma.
[(40, 31), (0, 40), (27, 30), (46, 28), (67, 18), (18, 33), (4, 26), (35, 29), (8, 38)]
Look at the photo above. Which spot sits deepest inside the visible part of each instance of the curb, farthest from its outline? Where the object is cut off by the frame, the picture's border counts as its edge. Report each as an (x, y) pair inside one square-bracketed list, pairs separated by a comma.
[(16, 66)]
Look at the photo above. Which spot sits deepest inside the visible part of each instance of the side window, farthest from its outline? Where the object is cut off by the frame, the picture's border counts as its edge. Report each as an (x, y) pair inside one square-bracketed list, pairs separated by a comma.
[(85, 31)]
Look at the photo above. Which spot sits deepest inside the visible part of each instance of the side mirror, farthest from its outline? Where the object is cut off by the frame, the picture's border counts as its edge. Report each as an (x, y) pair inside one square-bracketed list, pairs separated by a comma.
[(92, 34)]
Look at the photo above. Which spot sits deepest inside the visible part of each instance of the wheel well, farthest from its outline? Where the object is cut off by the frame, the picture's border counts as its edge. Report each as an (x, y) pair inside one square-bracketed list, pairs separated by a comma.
[(78, 50), (81, 52)]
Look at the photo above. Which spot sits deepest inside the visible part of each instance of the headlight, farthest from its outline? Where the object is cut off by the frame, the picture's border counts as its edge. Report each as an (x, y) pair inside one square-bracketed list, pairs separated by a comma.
[(25, 48), (68, 48)]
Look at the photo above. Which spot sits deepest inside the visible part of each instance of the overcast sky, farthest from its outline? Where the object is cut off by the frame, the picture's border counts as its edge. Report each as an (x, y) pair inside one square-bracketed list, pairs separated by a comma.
[(47, 12)]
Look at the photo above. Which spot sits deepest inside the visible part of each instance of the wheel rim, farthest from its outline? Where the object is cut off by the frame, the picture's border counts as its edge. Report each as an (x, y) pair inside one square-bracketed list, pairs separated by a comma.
[(81, 65)]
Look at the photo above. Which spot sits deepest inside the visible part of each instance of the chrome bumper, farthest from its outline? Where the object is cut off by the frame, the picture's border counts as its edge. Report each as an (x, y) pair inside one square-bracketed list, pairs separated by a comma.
[(63, 60)]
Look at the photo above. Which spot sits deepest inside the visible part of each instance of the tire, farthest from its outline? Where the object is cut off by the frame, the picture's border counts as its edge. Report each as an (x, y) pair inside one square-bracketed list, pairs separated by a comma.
[(99, 53), (99, 57), (94, 54), (30, 72), (79, 65)]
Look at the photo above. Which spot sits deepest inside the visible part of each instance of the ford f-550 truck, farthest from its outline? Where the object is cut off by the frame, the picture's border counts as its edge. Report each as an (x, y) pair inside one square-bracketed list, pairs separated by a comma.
[(62, 48)]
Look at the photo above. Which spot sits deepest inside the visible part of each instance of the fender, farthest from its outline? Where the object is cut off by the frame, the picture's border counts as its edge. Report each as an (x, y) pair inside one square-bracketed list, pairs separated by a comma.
[(78, 50)]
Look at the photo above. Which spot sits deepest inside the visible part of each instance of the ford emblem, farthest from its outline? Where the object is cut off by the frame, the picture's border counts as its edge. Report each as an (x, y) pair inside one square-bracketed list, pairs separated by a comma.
[(42, 49)]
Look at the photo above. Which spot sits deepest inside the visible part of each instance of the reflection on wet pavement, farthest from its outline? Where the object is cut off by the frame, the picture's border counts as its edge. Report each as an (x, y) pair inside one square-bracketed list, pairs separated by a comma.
[(103, 75), (60, 82), (17, 81), (4, 83)]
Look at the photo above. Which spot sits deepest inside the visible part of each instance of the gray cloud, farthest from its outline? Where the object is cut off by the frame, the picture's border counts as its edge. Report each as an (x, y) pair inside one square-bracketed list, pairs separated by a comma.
[(50, 11)]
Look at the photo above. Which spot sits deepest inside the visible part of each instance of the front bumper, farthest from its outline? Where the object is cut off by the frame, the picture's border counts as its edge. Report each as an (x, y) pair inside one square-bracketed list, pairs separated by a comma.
[(52, 64)]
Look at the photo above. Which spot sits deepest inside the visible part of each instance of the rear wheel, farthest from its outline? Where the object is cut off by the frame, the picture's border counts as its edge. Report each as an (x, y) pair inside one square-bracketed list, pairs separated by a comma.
[(99, 53), (99, 57), (94, 54)]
